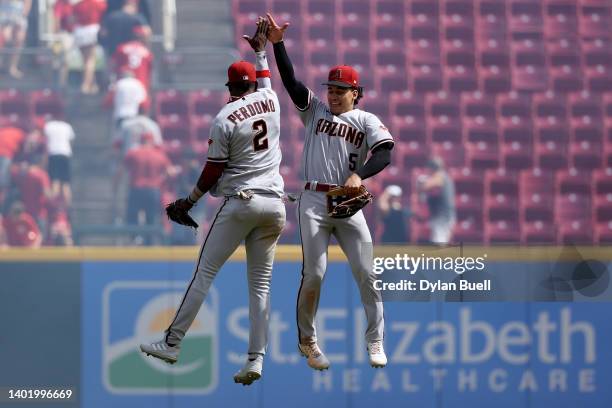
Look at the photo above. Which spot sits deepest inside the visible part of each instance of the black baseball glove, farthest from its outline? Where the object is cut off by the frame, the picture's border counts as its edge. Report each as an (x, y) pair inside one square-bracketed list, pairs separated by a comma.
[(178, 211), (344, 202)]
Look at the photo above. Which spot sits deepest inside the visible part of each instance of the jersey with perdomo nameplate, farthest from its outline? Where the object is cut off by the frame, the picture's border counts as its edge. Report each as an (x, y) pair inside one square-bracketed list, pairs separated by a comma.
[(245, 135), (335, 146)]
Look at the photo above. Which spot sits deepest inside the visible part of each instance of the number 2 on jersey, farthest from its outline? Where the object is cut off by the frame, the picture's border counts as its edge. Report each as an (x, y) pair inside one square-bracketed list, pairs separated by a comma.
[(260, 140)]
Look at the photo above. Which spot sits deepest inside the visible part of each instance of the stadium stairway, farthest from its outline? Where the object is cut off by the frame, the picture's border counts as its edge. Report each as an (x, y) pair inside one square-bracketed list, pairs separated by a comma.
[(205, 45)]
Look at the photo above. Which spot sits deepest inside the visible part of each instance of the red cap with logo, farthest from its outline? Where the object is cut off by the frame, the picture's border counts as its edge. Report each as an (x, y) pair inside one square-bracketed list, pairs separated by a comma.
[(241, 71), (344, 76)]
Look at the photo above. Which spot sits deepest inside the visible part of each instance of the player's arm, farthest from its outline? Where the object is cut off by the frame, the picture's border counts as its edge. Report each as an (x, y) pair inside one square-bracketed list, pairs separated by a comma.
[(299, 94), (258, 43), (380, 158), (211, 173)]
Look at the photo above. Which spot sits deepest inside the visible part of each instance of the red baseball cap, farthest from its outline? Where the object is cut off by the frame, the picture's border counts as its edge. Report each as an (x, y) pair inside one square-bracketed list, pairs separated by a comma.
[(241, 71), (344, 76)]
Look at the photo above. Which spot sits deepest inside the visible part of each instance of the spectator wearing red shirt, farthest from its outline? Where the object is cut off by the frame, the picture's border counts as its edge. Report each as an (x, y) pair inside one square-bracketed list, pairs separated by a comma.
[(34, 187), (148, 166), (20, 227), (11, 140), (136, 57), (88, 14)]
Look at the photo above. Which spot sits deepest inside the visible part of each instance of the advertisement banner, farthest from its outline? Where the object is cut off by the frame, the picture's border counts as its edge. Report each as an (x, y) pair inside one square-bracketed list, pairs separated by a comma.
[(440, 354)]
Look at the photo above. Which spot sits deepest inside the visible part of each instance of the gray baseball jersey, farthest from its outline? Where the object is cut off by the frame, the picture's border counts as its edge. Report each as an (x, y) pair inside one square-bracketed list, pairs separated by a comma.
[(337, 145), (245, 135)]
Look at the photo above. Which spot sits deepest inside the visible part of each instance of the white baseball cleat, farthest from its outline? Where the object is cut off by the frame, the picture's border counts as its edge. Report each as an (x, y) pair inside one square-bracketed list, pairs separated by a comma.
[(378, 358), (251, 371), (162, 351), (316, 358)]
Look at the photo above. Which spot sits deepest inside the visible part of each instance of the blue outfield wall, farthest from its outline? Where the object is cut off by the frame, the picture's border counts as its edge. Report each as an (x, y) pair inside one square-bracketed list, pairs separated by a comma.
[(440, 354), (74, 318)]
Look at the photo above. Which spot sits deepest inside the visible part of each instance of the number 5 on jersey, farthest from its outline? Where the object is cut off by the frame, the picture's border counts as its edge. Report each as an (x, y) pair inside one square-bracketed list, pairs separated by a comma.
[(260, 138)]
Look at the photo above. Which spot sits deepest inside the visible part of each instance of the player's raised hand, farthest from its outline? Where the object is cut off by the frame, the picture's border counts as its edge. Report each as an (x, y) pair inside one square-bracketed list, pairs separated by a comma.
[(259, 39), (275, 32)]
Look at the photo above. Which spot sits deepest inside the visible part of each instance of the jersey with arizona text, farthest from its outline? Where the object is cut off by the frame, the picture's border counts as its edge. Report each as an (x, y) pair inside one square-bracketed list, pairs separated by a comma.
[(245, 135), (335, 146)]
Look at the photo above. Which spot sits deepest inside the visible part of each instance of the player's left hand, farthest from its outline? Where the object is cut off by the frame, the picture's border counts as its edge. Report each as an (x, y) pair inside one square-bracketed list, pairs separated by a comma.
[(353, 181), (260, 38)]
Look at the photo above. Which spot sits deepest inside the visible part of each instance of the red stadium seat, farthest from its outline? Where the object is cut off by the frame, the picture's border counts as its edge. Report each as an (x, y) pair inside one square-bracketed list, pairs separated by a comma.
[(478, 104), (598, 78), (560, 20), (596, 51), (575, 233), (563, 52), (501, 207), (538, 232), (375, 103), (482, 156), (500, 181), (422, 27), (409, 129), (321, 30), (45, 102), (586, 129), (458, 52), (423, 52), (493, 52), (407, 104), (469, 208), (467, 181), (389, 12), (502, 232), (424, 7), (480, 129), (585, 156), (525, 16), (602, 181), (458, 27), (602, 209), (585, 103), (413, 155), (390, 53), (529, 78), (315, 8), (551, 156), (594, 21), (565, 79), (14, 102), (493, 79), (516, 156), (444, 129), (206, 103), (389, 79), (514, 104), (171, 102), (452, 154), (549, 104), (443, 103), (550, 129), (460, 79), (516, 130), (425, 78), (491, 19), (467, 232), (574, 182), (603, 233), (174, 128)]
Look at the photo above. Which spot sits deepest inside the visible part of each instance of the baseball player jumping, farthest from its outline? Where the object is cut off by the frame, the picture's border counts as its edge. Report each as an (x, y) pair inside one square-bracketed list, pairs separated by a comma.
[(243, 166), (338, 138)]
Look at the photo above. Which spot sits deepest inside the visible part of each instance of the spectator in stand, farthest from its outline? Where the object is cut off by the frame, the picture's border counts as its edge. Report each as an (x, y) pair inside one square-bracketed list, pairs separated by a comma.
[(34, 147), (14, 26), (394, 217), (88, 14), (59, 136), (128, 97), (63, 28), (20, 227), (11, 140), (34, 188), (119, 26), (148, 167), (60, 230), (131, 131), (438, 191), (136, 57), (143, 8)]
